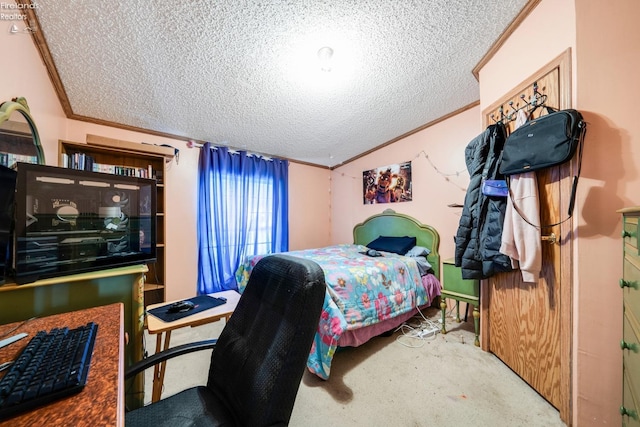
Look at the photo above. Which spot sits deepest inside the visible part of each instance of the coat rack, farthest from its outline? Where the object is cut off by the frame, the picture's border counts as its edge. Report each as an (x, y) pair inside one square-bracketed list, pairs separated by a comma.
[(536, 100)]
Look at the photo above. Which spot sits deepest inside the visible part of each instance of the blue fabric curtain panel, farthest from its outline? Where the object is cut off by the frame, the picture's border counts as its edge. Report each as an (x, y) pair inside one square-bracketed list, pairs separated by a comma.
[(242, 211)]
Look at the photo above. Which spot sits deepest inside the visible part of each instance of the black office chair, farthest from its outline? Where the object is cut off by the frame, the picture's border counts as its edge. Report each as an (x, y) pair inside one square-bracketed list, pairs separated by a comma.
[(258, 360)]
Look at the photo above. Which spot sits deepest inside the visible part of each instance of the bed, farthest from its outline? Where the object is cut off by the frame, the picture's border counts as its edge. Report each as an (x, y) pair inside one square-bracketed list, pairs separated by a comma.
[(368, 295)]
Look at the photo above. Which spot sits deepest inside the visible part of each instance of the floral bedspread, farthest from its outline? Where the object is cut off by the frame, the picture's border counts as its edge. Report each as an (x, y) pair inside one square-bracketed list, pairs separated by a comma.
[(361, 291)]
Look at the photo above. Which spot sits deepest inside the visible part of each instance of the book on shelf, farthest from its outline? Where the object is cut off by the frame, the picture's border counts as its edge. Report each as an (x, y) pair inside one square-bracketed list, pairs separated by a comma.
[(10, 159), (78, 160), (83, 161)]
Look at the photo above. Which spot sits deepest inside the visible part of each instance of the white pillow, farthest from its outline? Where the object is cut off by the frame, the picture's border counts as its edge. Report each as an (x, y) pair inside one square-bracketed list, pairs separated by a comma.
[(418, 251), (423, 265)]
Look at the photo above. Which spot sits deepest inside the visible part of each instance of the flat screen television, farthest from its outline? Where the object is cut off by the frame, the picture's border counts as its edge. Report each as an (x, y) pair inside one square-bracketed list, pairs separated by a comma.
[(71, 221)]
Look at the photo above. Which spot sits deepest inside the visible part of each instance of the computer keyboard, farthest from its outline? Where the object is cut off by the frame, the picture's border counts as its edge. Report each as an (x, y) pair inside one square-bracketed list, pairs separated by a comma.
[(54, 364)]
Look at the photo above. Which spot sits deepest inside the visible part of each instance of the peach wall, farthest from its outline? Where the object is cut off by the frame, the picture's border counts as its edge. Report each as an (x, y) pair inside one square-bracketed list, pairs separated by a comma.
[(23, 74), (545, 34), (444, 144), (607, 63), (309, 200)]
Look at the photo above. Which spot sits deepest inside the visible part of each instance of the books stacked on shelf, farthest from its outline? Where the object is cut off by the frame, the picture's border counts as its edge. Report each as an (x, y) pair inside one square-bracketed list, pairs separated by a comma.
[(124, 170), (86, 162), (78, 160), (10, 159)]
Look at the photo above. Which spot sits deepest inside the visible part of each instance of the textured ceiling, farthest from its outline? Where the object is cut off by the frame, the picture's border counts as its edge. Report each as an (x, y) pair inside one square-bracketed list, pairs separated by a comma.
[(245, 73)]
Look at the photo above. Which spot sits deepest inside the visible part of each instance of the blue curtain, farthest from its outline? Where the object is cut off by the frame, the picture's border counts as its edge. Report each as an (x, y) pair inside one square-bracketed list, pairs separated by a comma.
[(242, 211)]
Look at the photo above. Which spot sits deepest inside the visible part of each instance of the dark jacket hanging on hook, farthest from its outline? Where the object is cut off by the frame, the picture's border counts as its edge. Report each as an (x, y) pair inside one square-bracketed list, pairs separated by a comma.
[(480, 230)]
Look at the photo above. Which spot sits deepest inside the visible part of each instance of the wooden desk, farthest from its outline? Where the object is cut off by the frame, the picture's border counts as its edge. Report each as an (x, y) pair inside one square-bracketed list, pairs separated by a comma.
[(163, 330), (101, 402), (68, 293)]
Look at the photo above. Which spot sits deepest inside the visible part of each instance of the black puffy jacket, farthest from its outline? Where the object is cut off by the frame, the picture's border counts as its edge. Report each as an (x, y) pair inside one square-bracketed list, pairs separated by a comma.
[(480, 230)]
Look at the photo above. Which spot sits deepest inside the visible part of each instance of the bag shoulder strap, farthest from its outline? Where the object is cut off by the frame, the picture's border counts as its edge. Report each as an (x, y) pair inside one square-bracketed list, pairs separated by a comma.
[(546, 107), (574, 184)]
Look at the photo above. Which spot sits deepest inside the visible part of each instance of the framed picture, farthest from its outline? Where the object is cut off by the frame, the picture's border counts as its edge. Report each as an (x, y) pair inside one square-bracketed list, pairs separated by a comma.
[(387, 184)]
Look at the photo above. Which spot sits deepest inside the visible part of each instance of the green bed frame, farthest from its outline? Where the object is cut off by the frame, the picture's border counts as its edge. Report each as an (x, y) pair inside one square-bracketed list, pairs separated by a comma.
[(391, 223)]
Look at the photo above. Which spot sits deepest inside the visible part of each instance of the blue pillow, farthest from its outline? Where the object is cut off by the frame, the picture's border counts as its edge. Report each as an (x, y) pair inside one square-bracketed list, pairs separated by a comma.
[(397, 245)]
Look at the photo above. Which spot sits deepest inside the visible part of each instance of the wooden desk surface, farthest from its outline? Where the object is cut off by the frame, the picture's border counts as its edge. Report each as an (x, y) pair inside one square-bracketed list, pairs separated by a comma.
[(156, 326), (101, 403)]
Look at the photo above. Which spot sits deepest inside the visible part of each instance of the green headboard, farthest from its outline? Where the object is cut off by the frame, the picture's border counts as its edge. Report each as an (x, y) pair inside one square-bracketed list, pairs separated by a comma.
[(391, 223)]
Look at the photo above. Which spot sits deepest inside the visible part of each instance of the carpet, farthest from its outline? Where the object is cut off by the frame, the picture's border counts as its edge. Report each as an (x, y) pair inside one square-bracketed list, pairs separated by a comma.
[(443, 380)]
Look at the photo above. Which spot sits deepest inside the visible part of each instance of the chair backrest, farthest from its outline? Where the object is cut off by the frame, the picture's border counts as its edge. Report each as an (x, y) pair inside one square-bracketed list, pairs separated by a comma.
[(260, 357)]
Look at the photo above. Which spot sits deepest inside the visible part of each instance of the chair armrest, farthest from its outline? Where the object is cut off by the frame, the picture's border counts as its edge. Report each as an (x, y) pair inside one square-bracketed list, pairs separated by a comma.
[(170, 353)]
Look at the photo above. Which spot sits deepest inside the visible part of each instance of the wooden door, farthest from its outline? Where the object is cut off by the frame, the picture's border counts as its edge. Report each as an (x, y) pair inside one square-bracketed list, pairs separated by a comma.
[(528, 325)]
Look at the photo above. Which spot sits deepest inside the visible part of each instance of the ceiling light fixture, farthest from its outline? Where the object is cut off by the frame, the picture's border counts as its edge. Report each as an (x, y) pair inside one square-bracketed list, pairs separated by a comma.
[(324, 55)]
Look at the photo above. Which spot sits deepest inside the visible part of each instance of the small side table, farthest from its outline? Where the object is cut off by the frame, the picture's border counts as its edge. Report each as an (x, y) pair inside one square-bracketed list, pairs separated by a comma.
[(163, 330), (459, 289)]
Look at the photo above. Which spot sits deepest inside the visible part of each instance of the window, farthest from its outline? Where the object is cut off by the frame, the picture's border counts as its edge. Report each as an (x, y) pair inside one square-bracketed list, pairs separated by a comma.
[(243, 211)]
